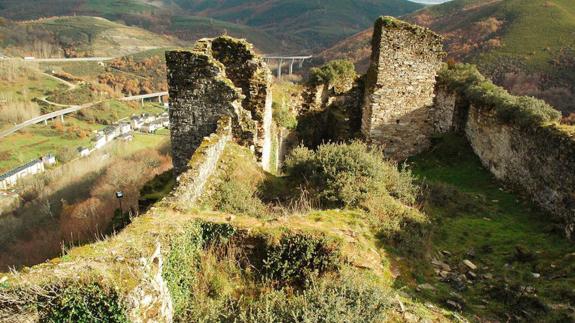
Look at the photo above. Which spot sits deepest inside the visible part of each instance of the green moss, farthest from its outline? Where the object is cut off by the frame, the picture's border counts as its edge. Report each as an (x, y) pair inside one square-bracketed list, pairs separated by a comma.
[(522, 111)]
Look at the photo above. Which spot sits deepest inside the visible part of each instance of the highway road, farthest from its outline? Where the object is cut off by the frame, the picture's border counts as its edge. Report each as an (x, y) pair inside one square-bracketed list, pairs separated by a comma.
[(71, 109)]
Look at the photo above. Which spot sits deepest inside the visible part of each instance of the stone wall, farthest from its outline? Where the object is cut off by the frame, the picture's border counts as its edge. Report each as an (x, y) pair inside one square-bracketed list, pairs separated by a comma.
[(538, 160), (400, 87), (201, 166), (221, 76), (200, 94)]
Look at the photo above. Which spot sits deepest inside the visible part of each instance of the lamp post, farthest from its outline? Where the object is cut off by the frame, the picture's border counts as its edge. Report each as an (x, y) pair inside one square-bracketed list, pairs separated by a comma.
[(120, 196)]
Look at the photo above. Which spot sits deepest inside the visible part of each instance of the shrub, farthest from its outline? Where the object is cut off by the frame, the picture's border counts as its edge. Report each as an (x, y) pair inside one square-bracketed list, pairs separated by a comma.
[(66, 154), (298, 256), (215, 233), (348, 299), (237, 198), (338, 73), (82, 303), (523, 111), (345, 174)]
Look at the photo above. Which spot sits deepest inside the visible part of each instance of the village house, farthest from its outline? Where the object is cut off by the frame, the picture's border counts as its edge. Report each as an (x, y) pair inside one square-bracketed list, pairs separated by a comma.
[(100, 141), (12, 177), (125, 128), (136, 122), (148, 118), (49, 159), (83, 151), (112, 132), (126, 137)]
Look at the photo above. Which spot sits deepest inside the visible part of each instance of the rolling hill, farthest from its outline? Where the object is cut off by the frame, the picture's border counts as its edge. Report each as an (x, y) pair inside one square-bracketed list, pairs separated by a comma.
[(526, 46), (76, 37), (307, 24), (281, 26)]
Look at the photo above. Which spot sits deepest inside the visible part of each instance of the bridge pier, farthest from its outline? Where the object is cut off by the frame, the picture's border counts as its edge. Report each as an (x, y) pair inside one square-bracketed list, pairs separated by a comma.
[(45, 122), (62, 118), (280, 69), (291, 66)]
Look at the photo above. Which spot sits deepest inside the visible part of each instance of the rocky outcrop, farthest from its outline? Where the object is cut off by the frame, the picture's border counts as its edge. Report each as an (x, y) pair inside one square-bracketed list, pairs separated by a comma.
[(400, 86)]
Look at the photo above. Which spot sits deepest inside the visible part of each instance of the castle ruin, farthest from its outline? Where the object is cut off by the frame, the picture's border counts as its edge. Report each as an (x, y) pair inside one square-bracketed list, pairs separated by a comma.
[(219, 77), (400, 86)]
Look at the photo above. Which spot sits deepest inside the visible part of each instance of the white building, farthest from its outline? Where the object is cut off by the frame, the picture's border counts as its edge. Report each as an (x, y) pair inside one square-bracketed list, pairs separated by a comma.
[(126, 137), (150, 127), (100, 141), (125, 128), (112, 132), (136, 122), (83, 151), (49, 159), (12, 177)]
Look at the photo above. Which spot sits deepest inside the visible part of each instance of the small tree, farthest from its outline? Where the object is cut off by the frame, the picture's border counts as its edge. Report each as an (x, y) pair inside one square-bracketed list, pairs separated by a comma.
[(339, 74)]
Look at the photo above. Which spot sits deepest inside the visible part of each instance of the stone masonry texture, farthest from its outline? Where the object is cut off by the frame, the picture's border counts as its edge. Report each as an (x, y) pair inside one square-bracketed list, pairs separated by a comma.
[(538, 160), (221, 76), (400, 87)]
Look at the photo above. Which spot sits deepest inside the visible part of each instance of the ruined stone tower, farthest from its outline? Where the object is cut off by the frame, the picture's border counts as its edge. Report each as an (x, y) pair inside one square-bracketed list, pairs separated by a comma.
[(221, 76), (399, 88)]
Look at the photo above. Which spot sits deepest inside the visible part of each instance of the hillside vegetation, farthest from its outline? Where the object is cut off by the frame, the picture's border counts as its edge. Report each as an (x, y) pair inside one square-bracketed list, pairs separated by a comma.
[(76, 37), (526, 46), (272, 25), (309, 24)]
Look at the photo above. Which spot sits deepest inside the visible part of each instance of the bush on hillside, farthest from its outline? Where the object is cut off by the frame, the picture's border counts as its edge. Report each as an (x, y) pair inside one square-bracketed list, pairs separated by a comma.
[(520, 110), (346, 174), (297, 257), (338, 73), (347, 299), (82, 303)]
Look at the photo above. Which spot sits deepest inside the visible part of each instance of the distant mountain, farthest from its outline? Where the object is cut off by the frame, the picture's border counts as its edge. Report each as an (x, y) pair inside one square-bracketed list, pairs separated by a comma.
[(278, 25), (528, 46), (309, 24), (76, 37)]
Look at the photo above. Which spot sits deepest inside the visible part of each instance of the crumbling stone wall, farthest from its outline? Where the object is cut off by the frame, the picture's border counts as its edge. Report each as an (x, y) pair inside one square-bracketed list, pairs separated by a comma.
[(200, 94), (400, 87), (219, 76), (201, 166), (538, 160), (249, 72)]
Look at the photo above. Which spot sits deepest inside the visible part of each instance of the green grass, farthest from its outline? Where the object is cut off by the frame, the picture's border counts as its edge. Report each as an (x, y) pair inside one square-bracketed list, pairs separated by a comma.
[(482, 216), (114, 8), (85, 70), (35, 85), (39, 140)]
